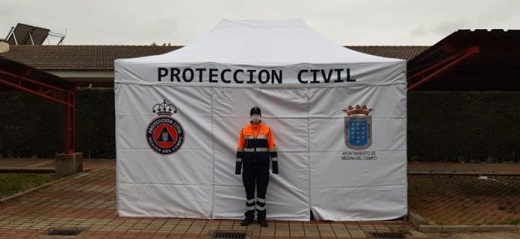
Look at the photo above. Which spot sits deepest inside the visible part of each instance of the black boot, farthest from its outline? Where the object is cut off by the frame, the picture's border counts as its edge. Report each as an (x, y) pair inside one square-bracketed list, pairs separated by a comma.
[(247, 221), (263, 223)]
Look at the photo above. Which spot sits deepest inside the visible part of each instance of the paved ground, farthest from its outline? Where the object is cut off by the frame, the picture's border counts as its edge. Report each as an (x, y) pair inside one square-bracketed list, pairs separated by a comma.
[(466, 199), (86, 202), (465, 194)]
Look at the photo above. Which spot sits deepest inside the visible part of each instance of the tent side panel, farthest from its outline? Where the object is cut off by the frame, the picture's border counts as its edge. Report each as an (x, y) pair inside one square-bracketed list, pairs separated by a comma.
[(164, 162), (358, 155)]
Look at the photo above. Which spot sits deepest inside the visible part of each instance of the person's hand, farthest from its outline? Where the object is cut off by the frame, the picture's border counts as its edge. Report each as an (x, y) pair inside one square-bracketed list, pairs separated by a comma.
[(275, 167), (238, 168)]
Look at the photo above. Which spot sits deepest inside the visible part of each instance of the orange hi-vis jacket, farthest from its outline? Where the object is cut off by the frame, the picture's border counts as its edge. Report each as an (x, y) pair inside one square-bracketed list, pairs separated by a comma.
[(256, 144)]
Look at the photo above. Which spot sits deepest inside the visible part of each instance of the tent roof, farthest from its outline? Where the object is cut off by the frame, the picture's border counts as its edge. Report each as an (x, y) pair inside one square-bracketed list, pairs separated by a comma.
[(268, 43)]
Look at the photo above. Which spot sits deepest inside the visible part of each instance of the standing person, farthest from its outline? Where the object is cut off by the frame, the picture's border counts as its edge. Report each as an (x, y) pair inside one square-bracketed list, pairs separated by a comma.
[(255, 151)]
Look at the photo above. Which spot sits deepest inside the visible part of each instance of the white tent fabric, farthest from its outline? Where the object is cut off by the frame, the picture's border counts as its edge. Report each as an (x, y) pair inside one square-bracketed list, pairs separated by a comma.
[(304, 85)]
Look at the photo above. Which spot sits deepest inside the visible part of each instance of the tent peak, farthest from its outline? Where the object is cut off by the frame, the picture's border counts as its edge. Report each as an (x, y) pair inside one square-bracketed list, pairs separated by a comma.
[(279, 23)]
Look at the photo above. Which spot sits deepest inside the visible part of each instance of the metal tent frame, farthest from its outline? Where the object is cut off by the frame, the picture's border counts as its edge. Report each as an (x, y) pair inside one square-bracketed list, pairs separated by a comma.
[(25, 78)]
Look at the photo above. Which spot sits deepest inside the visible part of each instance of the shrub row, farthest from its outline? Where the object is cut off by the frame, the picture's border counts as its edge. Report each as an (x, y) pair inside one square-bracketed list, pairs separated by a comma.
[(442, 126)]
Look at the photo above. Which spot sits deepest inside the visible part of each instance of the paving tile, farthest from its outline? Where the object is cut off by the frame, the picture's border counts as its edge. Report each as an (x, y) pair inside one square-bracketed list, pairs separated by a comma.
[(88, 201), (465, 200)]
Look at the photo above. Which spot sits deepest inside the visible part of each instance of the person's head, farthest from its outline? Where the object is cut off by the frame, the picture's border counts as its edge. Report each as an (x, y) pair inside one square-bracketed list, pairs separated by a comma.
[(255, 114)]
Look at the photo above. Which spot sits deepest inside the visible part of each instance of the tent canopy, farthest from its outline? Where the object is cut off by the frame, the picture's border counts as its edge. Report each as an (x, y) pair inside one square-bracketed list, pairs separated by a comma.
[(263, 43)]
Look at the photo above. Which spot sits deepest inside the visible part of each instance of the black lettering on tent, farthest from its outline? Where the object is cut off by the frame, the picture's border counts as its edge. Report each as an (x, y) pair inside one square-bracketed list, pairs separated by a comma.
[(213, 75), (277, 76), (263, 76), (251, 80), (161, 72), (174, 72), (201, 73), (338, 78), (348, 76), (188, 77), (300, 76), (326, 78), (314, 76), (235, 76), (223, 78)]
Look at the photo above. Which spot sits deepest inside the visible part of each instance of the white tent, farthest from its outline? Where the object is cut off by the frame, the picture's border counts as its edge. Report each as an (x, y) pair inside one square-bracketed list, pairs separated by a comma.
[(339, 166)]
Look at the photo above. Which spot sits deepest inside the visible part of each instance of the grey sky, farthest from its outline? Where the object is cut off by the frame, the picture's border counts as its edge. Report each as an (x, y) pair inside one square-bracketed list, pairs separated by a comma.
[(179, 22)]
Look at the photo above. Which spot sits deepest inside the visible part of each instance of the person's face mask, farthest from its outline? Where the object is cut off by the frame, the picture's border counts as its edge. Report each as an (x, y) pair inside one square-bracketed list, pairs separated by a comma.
[(255, 118)]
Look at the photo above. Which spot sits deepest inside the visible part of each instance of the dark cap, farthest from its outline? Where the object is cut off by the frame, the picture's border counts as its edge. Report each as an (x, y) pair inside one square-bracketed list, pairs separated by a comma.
[(255, 110)]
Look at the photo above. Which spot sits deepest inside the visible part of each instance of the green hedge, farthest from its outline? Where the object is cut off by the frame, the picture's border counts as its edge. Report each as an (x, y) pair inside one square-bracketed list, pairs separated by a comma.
[(464, 126), (31, 126), (95, 123), (442, 126)]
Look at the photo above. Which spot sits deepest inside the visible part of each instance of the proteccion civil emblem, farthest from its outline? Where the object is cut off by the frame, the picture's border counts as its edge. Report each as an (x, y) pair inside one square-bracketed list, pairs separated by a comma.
[(165, 134), (358, 127)]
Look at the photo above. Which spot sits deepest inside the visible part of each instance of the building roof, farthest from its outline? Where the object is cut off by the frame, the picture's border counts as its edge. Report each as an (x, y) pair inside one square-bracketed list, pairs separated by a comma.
[(399, 52), (101, 57), (79, 57), (478, 60)]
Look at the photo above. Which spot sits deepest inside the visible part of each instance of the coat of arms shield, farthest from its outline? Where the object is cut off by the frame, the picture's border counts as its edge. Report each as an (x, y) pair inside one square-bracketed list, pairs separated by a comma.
[(358, 127)]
